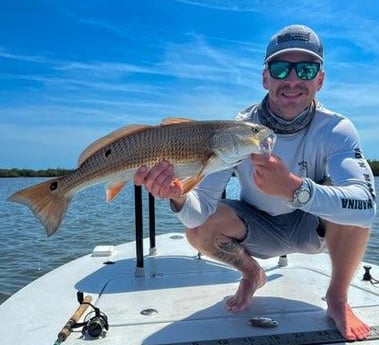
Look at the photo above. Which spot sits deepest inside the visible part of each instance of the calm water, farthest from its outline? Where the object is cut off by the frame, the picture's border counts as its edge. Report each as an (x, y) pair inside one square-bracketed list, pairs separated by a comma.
[(26, 253)]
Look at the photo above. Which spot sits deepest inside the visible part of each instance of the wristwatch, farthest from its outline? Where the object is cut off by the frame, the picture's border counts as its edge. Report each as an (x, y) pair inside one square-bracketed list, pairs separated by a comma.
[(302, 194)]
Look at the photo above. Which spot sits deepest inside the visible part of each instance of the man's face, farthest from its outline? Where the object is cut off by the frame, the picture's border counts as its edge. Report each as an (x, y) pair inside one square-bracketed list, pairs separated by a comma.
[(288, 97)]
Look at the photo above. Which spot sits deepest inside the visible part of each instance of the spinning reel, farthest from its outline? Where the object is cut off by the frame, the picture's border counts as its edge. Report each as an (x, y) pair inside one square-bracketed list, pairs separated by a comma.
[(95, 322)]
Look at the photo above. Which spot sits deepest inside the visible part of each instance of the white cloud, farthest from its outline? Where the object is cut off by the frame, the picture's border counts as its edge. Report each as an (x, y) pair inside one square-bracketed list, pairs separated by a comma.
[(5, 54)]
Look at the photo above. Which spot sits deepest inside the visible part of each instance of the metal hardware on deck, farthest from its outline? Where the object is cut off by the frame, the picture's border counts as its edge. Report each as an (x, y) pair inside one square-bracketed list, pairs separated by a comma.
[(367, 274), (149, 312), (368, 277)]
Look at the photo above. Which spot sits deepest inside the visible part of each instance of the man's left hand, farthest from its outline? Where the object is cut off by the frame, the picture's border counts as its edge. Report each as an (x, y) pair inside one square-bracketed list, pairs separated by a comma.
[(272, 176)]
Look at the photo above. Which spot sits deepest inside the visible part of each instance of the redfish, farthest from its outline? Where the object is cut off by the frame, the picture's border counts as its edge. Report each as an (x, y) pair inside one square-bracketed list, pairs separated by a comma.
[(195, 148)]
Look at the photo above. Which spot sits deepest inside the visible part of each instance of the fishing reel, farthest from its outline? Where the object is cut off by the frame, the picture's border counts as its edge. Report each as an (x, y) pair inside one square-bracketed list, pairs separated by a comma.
[(95, 323)]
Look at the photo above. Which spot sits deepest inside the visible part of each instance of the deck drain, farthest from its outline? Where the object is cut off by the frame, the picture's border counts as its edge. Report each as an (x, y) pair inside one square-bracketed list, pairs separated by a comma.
[(177, 237), (149, 312)]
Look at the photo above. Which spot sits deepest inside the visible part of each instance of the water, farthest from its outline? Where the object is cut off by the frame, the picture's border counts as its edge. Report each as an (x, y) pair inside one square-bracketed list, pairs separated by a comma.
[(26, 253)]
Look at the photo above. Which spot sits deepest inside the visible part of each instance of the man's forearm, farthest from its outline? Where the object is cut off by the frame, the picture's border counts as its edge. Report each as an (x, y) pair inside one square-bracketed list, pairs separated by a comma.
[(177, 203)]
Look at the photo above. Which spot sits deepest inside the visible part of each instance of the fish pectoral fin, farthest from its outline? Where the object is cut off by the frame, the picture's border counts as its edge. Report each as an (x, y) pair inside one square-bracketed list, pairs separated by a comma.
[(113, 189), (191, 182)]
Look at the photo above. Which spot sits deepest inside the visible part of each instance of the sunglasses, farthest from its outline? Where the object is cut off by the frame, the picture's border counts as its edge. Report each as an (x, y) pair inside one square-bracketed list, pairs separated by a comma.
[(304, 70)]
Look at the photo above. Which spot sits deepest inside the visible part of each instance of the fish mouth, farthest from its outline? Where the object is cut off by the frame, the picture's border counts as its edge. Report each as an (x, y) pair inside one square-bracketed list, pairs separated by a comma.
[(267, 144)]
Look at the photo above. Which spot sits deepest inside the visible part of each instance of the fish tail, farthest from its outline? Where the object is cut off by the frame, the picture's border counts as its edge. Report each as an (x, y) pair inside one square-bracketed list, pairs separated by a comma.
[(46, 201)]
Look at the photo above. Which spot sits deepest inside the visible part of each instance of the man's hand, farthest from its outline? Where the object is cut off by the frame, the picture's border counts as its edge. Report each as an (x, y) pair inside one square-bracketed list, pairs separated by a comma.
[(272, 176), (160, 182)]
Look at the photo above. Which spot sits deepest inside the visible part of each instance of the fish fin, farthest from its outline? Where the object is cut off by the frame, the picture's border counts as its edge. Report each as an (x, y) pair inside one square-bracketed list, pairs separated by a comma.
[(190, 183), (109, 139), (113, 189), (178, 183), (175, 120), (44, 199)]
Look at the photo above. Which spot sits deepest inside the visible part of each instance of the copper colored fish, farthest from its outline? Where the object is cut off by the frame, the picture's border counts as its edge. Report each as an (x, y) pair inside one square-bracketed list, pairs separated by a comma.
[(195, 148)]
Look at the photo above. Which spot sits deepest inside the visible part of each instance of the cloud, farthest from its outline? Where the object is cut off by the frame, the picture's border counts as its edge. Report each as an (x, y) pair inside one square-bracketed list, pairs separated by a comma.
[(5, 54), (226, 5)]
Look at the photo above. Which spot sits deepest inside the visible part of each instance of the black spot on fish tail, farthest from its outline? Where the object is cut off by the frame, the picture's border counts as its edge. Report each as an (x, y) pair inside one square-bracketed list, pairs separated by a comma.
[(54, 186)]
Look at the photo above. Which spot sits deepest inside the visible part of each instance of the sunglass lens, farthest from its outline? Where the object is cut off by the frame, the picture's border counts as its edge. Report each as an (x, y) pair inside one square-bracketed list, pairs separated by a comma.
[(307, 71), (279, 69)]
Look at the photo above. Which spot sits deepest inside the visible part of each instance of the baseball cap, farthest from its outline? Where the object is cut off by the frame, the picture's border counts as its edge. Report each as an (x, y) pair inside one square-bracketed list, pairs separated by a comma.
[(295, 38)]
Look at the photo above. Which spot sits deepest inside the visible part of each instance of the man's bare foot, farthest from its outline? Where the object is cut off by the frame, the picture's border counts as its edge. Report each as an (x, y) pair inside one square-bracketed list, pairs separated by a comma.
[(245, 291), (350, 326)]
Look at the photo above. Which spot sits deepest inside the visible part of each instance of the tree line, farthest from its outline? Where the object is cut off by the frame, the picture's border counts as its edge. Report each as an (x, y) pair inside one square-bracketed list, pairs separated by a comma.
[(14, 172), (374, 166)]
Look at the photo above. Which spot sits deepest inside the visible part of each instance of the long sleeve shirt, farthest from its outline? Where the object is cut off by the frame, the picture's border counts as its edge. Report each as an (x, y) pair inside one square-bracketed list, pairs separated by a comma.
[(328, 149)]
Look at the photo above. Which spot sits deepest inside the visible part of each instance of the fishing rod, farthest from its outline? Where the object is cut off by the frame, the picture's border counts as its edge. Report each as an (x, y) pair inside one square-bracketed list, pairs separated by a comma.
[(93, 326), (72, 321)]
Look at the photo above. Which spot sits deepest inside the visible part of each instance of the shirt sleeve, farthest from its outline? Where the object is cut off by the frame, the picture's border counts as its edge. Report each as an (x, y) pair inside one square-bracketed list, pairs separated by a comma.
[(202, 201), (349, 197)]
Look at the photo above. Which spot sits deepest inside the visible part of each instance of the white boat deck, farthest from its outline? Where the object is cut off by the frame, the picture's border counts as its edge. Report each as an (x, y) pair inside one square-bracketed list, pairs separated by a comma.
[(183, 297)]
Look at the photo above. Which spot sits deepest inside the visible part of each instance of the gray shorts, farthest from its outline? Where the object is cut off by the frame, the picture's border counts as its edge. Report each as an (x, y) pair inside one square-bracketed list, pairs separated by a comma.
[(268, 236)]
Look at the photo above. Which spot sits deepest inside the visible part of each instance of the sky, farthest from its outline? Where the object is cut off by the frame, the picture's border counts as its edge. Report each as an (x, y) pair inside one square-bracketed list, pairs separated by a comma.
[(73, 71)]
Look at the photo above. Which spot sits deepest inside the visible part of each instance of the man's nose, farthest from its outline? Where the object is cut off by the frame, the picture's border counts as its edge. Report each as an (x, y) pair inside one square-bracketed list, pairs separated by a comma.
[(292, 76)]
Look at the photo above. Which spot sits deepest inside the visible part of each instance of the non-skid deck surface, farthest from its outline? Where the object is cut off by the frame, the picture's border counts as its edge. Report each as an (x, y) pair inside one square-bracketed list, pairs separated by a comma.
[(180, 300)]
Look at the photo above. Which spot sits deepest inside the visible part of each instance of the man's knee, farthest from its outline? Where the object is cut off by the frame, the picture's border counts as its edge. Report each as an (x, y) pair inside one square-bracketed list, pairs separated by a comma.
[(223, 223), (192, 237), (201, 237), (348, 235), (343, 229)]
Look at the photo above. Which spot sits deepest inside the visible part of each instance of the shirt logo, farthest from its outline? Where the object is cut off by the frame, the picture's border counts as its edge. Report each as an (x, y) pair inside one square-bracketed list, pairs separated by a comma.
[(354, 204), (303, 168)]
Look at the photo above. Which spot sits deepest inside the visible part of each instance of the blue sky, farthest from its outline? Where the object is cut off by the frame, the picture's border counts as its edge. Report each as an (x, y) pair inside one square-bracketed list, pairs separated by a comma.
[(72, 71)]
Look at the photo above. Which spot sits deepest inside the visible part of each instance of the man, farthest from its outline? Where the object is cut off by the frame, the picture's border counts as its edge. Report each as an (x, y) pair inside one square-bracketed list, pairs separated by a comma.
[(316, 188)]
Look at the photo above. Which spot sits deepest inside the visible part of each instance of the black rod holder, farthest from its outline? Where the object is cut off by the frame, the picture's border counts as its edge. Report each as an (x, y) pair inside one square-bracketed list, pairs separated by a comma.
[(138, 225), (152, 222)]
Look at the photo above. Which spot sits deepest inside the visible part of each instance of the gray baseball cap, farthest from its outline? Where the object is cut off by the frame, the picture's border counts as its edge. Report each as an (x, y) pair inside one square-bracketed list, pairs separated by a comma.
[(295, 38)]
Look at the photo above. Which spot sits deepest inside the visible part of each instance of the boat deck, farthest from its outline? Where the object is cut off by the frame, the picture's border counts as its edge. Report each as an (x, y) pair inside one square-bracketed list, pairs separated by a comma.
[(179, 299)]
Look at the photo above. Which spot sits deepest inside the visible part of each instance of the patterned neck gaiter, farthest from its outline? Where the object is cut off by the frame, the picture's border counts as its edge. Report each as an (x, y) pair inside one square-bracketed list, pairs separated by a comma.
[(280, 126)]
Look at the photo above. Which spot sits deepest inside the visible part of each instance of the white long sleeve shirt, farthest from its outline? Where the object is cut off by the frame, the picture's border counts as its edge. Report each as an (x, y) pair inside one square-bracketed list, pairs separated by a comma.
[(329, 148)]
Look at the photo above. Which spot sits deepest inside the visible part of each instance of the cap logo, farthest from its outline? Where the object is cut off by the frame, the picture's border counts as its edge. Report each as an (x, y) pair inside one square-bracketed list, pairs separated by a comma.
[(294, 36)]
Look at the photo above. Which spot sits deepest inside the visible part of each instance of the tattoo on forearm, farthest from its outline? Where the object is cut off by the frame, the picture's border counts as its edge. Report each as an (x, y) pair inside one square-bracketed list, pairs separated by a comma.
[(229, 251)]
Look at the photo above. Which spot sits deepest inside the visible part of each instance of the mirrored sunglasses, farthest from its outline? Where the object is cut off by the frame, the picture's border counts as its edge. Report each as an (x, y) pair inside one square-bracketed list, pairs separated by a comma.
[(304, 70)]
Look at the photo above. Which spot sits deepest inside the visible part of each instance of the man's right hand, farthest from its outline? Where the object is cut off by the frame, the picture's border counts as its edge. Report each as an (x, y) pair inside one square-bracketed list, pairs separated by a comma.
[(160, 182)]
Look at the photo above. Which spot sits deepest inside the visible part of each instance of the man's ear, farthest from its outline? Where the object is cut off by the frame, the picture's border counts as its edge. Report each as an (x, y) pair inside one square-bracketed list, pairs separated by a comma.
[(320, 80), (265, 79)]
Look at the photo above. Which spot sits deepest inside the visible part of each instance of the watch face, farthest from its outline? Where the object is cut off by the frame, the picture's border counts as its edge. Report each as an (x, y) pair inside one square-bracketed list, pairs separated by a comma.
[(303, 196)]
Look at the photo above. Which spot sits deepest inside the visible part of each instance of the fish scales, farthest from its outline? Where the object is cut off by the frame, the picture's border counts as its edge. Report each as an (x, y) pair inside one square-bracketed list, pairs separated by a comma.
[(176, 143)]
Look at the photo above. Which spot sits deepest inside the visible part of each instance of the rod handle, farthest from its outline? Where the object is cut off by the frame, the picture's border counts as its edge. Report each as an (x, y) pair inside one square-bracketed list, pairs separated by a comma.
[(67, 328)]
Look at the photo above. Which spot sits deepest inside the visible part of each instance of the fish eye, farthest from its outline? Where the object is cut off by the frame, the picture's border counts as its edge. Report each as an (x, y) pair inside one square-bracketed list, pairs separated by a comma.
[(254, 129)]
